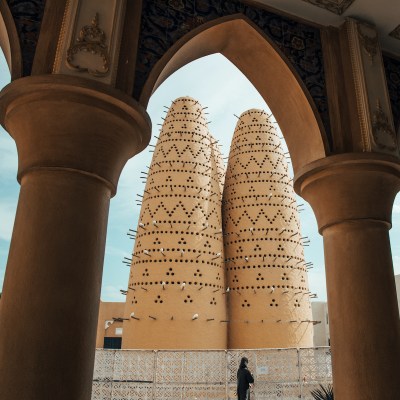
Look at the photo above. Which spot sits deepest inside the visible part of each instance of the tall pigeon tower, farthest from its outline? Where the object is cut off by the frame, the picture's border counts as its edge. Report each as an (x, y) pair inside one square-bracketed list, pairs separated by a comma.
[(176, 294), (268, 301)]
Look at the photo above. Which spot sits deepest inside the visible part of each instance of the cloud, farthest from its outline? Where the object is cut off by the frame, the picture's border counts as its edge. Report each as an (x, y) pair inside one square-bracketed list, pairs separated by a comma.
[(7, 216), (2, 273), (8, 159), (317, 282), (111, 293), (396, 265), (115, 251)]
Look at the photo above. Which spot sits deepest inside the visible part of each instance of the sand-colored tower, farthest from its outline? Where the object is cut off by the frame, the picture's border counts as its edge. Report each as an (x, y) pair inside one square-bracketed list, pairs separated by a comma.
[(269, 298), (176, 293)]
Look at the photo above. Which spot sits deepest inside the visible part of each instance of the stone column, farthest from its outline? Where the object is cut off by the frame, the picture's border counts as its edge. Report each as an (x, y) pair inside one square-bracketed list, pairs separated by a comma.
[(352, 197), (73, 138)]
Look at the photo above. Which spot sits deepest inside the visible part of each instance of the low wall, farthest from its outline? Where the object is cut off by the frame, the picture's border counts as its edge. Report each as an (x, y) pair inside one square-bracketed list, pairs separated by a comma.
[(285, 374)]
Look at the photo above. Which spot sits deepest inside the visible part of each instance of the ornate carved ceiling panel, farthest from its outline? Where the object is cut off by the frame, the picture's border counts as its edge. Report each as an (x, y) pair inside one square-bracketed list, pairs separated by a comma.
[(336, 6)]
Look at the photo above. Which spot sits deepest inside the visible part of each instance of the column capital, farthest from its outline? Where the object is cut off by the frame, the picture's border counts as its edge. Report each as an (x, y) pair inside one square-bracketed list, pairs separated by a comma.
[(350, 187), (70, 123)]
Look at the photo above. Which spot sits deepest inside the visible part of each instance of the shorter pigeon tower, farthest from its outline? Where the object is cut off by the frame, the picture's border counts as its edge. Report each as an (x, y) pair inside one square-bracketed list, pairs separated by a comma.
[(269, 299)]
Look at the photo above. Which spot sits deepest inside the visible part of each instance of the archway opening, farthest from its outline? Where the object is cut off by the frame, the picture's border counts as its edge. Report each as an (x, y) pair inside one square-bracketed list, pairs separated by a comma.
[(235, 95), (9, 42), (395, 243), (265, 67), (9, 187)]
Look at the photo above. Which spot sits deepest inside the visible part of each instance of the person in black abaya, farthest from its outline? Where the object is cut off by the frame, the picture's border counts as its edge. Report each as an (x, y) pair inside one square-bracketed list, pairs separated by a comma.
[(244, 380)]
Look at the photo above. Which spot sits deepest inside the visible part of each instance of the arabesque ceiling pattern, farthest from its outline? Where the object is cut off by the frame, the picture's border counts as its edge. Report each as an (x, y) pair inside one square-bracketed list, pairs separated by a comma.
[(164, 22), (392, 68)]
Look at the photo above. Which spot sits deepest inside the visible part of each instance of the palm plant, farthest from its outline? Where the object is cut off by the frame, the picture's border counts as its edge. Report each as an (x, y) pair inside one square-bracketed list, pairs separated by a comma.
[(324, 393)]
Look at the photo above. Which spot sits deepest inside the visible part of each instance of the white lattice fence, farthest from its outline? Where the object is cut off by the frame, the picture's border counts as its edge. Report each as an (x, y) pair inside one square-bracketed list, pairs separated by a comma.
[(284, 374), (315, 369)]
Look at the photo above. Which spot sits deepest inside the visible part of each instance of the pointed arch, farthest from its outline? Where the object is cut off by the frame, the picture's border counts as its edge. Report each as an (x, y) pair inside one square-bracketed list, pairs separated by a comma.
[(242, 43), (9, 41)]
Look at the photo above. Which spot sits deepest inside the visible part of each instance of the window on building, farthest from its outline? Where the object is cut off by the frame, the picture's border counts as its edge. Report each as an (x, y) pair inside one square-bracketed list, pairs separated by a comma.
[(112, 342)]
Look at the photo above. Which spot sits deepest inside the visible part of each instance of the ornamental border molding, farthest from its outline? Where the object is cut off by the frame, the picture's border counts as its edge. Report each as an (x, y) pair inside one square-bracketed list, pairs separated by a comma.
[(359, 84), (61, 37), (335, 6)]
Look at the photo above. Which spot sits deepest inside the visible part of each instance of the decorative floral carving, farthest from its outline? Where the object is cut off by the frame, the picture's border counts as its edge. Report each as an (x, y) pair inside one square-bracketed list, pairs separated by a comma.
[(384, 135), (335, 6), (91, 39), (370, 44)]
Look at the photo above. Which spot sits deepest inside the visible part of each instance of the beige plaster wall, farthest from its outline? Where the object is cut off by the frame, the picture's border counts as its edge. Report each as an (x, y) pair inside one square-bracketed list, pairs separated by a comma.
[(105, 326), (269, 297)]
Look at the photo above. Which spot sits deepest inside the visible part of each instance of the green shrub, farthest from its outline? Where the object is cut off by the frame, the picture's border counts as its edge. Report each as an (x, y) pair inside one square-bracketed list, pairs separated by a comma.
[(324, 393)]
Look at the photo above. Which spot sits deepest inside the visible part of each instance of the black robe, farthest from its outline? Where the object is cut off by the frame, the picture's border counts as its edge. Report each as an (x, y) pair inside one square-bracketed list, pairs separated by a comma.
[(244, 378)]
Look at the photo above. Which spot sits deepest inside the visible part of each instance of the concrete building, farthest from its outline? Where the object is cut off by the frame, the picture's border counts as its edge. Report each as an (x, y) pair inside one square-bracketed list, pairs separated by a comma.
[(109, 325), (321, 335), (269, 302), (82, 75), (176, 293)]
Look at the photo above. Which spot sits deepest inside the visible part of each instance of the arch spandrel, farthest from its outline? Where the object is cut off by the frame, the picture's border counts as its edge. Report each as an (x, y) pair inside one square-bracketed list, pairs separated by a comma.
[(392, 71), (248, 49), (164, 24)]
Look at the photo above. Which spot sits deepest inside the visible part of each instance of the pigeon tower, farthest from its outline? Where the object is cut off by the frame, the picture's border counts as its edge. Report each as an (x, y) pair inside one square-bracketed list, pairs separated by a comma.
[(176, 292), (268, 299)]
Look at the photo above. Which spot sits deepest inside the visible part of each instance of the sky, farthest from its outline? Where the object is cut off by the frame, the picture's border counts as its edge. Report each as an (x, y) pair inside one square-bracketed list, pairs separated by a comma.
[(215, 83)]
